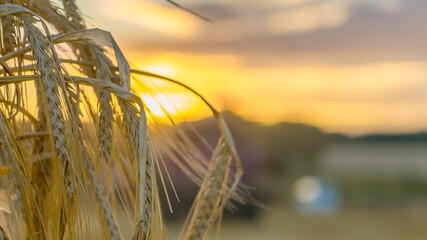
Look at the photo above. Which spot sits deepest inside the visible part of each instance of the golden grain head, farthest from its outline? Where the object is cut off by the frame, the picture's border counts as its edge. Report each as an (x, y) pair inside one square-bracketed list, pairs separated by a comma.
[(85, 154)]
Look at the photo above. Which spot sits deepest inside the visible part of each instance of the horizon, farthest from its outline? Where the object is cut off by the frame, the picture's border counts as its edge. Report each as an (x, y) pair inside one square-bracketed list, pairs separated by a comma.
[(226, 114)]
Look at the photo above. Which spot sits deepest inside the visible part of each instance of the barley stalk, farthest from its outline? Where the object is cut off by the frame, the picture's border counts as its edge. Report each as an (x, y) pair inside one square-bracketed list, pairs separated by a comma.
[(40, 180), (73, 14), (105, 122), (9, 34), (105, 116), (49, 82), (142, 229), (105, 109), (67, 160), (19, 172), (40, 171), (105, 208), (211, 193)]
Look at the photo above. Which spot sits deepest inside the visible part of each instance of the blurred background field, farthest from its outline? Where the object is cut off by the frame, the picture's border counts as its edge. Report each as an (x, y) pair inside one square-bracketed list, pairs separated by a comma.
[(378, 181), (349, 224)]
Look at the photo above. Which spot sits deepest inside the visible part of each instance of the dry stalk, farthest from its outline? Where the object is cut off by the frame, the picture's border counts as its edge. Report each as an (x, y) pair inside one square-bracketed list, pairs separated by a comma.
[(212, 192), (9, 34), (49, 81), (105, 122), (142, 230), (58, 99), (73, 14), (105, 110), (103, 201), (19, 172)]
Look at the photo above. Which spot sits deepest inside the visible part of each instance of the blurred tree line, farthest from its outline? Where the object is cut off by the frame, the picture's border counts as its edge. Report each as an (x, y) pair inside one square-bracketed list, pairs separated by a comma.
[(273, 156)]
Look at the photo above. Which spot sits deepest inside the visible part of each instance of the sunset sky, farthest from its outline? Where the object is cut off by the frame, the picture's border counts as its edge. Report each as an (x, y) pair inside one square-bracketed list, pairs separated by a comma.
[(352, 66)]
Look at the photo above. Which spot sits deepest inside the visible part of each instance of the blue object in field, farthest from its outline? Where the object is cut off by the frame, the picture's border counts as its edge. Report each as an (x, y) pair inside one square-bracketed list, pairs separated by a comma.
[(316, 195)]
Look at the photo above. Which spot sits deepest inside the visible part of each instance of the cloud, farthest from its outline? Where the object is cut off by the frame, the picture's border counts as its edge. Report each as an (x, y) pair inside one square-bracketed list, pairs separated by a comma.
[(277, 31), (308, 18), (234, 20), (279, 17), (370, 34), (170, 22)]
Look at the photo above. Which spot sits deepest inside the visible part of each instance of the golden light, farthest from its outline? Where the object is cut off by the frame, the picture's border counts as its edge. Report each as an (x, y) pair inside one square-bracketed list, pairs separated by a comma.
[(179, 106), (156, 108), (348, 98), (162, 68)]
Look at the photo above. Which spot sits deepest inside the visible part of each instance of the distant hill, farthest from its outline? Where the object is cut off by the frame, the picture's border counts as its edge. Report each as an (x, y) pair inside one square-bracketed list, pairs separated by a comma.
[(290, 150), (284, 148), (274, 156)]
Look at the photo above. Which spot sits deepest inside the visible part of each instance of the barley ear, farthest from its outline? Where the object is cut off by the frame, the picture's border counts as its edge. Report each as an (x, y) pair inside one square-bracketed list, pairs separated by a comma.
[(50, 79), (105, 120), (207, 206)]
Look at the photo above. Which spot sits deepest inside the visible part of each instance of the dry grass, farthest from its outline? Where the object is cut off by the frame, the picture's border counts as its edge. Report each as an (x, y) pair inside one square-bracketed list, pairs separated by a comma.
[(61, 162)]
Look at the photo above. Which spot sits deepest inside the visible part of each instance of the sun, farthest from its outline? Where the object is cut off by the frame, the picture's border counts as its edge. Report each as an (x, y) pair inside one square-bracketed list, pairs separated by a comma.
[(175, 105), (160, 105)]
